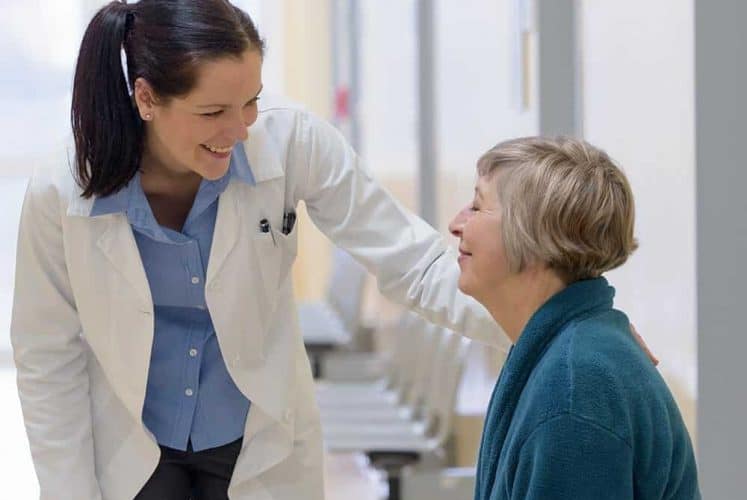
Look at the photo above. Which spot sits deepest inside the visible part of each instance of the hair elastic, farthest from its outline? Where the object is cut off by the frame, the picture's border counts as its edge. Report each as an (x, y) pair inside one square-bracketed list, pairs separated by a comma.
[(125, 72)]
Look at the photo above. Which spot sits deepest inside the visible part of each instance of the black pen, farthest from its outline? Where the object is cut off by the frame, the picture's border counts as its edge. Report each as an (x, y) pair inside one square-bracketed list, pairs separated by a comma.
[(289, 218), (264, 226)]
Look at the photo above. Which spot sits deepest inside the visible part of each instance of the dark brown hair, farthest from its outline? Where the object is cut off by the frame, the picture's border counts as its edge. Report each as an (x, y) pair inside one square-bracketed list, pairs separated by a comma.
[(165, 41)]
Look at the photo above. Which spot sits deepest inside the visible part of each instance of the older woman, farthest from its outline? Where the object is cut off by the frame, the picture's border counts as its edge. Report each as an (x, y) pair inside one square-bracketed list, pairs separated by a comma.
[(579, 411)]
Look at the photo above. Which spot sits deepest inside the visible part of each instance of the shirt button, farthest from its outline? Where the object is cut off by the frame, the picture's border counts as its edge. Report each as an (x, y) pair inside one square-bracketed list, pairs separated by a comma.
[(193, 353), (195, 280), (189, 392)]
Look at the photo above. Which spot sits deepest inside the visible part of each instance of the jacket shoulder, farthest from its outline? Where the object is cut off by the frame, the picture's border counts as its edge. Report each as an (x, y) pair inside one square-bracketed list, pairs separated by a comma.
[(270, 103), (612, 381), (275, 109), (581, 373), (279, 115)]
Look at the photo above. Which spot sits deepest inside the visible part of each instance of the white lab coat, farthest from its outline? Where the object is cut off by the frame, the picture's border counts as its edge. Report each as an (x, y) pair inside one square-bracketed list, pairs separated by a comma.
[(82, 324)]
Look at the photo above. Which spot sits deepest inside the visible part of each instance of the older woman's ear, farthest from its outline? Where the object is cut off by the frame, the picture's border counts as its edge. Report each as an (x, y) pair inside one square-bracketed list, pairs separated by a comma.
[(457, 223)]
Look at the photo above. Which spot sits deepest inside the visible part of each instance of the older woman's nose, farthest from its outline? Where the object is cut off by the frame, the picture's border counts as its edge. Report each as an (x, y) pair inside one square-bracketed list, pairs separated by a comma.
[(457, 224)]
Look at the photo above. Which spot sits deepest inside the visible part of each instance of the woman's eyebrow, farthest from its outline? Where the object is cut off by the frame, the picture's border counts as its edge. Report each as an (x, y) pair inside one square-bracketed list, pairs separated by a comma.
[(228, 105)]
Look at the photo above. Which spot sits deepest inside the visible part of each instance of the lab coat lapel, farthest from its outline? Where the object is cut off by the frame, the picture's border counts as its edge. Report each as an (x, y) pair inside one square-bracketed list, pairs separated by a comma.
[(266, 165), (264, 159), (235, 284), (132, 337), (242, 274), (225, 234), (118, 244)]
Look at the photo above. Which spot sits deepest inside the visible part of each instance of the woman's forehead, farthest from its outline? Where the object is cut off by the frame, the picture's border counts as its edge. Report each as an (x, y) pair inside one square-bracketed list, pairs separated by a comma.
[(227, 79), (487, 185)]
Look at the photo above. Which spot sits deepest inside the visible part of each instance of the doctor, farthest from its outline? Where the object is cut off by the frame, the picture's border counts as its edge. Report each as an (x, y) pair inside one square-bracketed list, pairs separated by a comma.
[(154, 328)]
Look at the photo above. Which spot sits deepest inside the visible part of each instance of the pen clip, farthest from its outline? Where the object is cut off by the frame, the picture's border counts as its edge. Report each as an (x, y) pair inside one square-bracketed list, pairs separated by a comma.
[(264, 226)]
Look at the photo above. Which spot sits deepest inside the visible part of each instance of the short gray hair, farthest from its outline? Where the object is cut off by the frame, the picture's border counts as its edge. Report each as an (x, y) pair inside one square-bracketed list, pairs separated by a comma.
[(564, 203)]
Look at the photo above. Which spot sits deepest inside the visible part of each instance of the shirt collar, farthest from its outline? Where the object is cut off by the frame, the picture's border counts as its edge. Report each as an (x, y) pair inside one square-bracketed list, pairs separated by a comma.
[(239, 167)]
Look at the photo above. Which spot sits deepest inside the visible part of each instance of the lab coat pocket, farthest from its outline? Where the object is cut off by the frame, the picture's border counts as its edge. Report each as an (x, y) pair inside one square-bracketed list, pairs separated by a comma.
[(268, 261), (276, 253), (288, 246)]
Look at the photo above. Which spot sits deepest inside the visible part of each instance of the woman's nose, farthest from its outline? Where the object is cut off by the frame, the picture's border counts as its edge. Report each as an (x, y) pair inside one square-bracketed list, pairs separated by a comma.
[(457, 224), (238, 127), (242, 130)]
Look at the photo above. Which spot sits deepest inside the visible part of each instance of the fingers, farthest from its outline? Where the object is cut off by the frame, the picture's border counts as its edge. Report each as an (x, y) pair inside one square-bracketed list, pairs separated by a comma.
[(642, 343)]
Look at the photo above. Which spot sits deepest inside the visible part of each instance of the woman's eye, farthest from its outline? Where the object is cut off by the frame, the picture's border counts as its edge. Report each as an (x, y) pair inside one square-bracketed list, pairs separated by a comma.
[(214, 113)]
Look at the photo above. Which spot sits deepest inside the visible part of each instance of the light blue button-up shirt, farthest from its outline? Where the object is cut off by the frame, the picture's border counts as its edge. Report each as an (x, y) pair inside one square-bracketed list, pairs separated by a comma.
[(190, 395)]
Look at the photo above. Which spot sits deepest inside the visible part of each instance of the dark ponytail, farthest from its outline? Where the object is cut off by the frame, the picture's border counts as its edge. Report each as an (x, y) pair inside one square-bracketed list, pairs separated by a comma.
[(164, 41), (108, 132)]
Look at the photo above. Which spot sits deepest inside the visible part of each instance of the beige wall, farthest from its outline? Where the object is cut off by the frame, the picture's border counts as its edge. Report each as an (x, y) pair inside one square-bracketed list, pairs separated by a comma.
[(307, 78)]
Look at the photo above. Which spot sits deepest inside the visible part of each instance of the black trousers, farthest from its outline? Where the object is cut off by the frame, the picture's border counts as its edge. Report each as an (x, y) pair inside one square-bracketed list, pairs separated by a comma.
[(192, 475)]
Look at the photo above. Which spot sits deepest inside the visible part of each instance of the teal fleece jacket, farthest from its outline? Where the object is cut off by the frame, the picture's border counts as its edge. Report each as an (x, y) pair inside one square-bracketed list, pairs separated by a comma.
[(580, 412)]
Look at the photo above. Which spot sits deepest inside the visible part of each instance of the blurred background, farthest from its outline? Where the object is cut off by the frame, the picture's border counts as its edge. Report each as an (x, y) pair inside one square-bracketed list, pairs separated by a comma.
[(422, 88)]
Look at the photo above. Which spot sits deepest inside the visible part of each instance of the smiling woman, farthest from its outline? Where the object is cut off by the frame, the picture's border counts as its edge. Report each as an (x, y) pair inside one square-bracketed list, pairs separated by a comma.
[(194, 134), (579, 411), (191, 40), (154, 326)]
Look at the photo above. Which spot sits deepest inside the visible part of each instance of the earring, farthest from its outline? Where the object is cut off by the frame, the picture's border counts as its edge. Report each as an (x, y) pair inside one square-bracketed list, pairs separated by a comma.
[(148, 117)]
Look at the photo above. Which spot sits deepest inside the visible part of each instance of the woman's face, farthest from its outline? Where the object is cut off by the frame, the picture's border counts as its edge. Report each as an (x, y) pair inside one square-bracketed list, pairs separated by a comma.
[(482, 256), (196, 132)]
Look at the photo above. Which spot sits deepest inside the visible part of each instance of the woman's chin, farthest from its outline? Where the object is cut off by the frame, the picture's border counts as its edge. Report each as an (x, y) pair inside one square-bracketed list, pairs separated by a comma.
[(464, 285), (214, 172)]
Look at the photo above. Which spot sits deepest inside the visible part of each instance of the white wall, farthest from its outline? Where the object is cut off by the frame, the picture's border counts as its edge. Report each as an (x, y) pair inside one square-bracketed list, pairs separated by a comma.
[(475, 109), (475, 87), (38, 46), (388, 85), (268, 15), (638, 104)]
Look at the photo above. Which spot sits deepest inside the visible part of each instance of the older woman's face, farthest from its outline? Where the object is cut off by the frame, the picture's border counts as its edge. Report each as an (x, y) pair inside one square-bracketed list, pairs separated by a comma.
[(482, 256)]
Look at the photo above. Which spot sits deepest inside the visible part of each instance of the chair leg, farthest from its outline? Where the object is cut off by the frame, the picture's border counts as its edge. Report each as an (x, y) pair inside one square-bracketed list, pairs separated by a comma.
[(316, 365), (393, 464), (395, 491)]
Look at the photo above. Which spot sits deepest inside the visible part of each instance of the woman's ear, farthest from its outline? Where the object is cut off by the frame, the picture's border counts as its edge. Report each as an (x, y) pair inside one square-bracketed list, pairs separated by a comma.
[(145, 99)]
